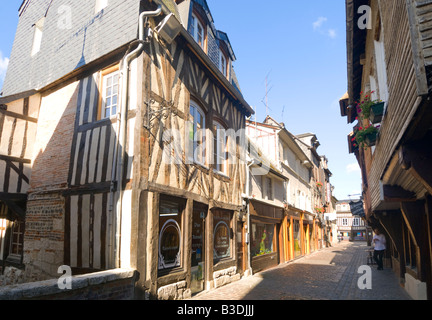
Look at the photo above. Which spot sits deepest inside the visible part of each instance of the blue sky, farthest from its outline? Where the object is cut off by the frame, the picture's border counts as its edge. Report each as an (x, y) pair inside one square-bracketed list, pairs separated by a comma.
[(300, 49)]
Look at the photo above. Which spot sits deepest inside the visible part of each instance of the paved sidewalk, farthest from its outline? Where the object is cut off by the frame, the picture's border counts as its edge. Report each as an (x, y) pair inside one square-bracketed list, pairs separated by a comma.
[(328, 274)]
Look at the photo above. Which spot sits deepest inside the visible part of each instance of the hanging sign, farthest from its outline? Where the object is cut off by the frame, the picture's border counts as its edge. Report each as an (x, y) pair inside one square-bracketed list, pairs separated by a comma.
[(357, 208)]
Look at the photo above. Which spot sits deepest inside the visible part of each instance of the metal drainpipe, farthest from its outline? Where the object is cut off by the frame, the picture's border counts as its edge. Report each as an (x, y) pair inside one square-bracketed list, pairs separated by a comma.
[(121, 143), (249, 165)]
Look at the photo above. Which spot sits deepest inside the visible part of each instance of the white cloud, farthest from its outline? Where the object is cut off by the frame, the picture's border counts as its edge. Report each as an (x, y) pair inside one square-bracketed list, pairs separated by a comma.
[(332, 33), (352, 167), (4, 61), (318, 24)]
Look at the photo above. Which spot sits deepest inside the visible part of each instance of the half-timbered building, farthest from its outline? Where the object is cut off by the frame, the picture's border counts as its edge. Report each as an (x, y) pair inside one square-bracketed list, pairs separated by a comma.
[(389, 60), (121, 144), (285, 202)]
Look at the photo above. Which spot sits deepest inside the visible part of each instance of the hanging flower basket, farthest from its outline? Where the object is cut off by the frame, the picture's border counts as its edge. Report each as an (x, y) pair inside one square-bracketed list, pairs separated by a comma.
[(319, 184), (366, 137), (376, 112), (364, 107)]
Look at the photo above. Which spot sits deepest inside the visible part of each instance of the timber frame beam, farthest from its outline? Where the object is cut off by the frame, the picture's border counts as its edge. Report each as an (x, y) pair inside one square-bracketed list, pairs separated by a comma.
[(417, 158), (414, 214)]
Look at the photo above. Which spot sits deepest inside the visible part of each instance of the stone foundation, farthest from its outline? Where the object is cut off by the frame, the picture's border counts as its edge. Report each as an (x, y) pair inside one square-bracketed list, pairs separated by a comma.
[(176, 291), (224, 277)]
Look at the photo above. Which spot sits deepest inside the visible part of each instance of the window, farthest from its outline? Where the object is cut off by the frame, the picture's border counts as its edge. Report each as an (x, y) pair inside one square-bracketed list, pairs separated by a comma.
[(37, 39), (345, 222), (356, 222), (223, 64), (100, 4), (219, 147), (197, 134), (197, 31), (110, 93), (17, 240), (262, 239), (269, 189), (170, 235), (222, 224)]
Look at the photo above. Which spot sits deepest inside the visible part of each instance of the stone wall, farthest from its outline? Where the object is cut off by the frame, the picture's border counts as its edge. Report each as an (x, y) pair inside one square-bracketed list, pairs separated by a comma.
[(116, 284)]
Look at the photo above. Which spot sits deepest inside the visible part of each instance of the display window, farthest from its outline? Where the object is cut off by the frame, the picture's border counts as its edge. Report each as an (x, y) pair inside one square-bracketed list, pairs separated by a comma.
[(170, 234), (297, 239), (222, 223), (262, 239)]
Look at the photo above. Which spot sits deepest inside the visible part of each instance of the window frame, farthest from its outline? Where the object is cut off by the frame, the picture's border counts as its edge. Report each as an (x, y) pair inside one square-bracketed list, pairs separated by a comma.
[(219, 219), (195, 23), (198, 110), (219, 154), (102, 90), (177, 221)]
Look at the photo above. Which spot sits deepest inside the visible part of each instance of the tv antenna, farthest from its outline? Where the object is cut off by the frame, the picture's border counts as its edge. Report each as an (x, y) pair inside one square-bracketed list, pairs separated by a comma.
[(265, 99)]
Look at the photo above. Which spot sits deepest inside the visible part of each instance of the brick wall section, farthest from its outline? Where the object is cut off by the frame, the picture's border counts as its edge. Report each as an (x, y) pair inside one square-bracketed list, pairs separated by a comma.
[(44, 230), (116, 284), (55, 130), (44, 236)]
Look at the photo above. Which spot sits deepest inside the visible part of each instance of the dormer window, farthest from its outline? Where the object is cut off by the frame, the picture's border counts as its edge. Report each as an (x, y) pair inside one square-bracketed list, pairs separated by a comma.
[(197, 31), (223, 64)]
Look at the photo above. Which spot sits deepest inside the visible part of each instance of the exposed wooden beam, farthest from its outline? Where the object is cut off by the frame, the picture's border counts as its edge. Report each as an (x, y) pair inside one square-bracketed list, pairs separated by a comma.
[(398, 194), (417, 159)]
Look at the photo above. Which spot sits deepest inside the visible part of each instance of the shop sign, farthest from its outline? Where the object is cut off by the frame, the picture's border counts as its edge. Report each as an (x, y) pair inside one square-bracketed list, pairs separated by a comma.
[(357, 208)]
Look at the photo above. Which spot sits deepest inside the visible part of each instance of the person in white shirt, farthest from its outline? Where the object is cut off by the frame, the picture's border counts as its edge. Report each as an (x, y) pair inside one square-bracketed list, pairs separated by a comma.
[(379, 241)]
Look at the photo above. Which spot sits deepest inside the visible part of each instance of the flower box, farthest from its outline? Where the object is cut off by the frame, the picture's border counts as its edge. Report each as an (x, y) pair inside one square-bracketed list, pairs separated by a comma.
[(371, 139), (376, 112)]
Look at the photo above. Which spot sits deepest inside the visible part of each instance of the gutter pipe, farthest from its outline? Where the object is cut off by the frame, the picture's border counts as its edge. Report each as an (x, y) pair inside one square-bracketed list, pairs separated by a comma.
[(122, 124)]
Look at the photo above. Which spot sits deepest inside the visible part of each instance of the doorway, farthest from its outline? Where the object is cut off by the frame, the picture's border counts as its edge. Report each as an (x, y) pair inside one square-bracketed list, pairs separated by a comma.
[(198, 251)]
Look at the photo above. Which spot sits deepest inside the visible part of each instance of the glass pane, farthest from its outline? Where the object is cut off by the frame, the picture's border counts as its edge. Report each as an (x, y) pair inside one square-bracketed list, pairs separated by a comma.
[(109, 81), (109, 91), (108, 102), (114, 100), (116, 78), (115, 89), (107, 112), (114, 110)]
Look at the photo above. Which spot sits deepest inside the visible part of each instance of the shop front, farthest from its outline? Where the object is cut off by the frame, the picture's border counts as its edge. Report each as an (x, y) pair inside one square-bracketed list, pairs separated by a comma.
[(265, 246)]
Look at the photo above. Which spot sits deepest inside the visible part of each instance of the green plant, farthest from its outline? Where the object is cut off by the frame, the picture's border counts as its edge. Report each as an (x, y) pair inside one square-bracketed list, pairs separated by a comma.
[(364, 107), (364, 134)]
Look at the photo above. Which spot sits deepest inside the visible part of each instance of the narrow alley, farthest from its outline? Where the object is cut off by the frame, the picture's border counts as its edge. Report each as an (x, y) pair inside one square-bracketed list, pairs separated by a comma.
[(328, 274)]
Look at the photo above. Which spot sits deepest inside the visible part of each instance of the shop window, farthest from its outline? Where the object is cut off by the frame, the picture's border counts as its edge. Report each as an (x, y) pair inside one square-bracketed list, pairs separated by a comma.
[(170, 234), (197, 134), (220, 140), (262, 239), (108, 102), (297, 238), (222, 224)]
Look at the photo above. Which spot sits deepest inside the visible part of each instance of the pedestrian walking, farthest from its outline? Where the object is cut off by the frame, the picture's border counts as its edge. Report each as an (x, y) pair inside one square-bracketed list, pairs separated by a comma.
[(379, 241)]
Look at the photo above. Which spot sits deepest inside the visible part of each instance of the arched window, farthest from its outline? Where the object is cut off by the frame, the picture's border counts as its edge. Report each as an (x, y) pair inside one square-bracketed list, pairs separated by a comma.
[(220, 140), (197, 134)]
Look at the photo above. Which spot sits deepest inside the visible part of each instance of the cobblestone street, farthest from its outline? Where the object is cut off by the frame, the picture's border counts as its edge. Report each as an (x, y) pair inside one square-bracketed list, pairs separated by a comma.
[(329, 274)]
